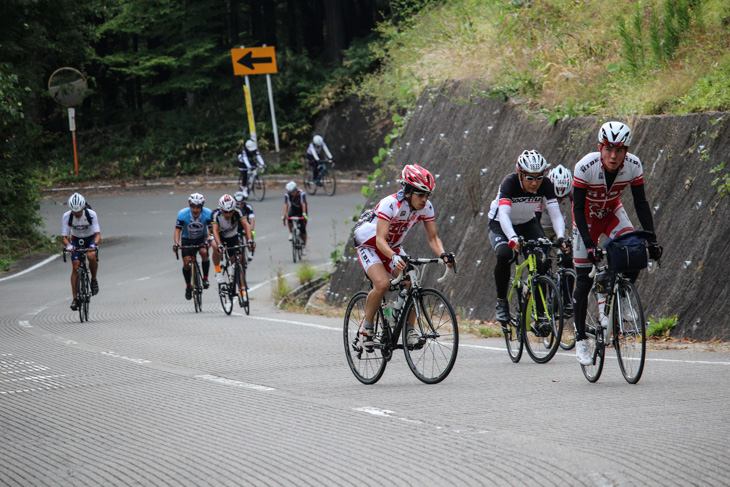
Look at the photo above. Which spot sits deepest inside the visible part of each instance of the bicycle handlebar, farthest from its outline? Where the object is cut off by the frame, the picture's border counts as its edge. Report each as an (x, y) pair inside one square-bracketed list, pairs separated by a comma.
[(183, 247), (410, 262), (296, 218), (81, 251)]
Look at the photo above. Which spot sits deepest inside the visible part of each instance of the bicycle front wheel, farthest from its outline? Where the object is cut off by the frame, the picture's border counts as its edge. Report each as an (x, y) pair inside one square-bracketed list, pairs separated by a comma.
[(368, 367), (566, 285), (329, 184), (629, 334), (513, 329), (295, 244), (433, 318), (596, 345), (258, 188), (82, 295), (543, 319), (309, 185), (197, 288), (224, 294)]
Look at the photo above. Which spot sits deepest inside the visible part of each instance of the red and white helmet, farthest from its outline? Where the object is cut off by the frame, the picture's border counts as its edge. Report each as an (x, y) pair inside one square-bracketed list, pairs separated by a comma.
[(196, 199), (562, 180), (418, 177), (614, 134), (227, 203)]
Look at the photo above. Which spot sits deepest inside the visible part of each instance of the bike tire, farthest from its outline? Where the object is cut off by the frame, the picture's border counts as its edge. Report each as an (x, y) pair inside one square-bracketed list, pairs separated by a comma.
[(513, 337), (258, 188), (309, 186), (197, 288), (629, 333), (566, 283), (329, 183), (81, 294), (241, 287), (438, 329), (368, 367), (295, 243), (224, 293), (542, 340), (596, 346)]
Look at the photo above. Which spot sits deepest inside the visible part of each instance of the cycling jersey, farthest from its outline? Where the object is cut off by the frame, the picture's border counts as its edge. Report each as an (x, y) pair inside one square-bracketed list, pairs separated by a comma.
[(246, 210), (295, 202), (80, 227), (193, 228), (314, 154), (515, 206), (245, 157), (589, 175), (396, 210), (227, 228)]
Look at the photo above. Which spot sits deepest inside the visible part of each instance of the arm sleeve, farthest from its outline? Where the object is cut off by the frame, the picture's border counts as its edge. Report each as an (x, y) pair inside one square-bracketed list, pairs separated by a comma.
[(642, 207), (556, 217), (327, 151), (260, 160), (579, 216), (505, 221)]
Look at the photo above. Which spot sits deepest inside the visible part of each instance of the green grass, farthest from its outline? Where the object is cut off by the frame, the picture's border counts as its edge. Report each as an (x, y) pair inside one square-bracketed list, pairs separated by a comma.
[(305, 273), (661, 326)]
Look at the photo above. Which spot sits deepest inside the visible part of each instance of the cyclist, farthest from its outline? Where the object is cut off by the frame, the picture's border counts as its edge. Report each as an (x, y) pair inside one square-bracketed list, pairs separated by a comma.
[(512, 214), (192, 228), (80, 229), (380, 232), (247, 211), (314, 154), (295, 204), (225, 222), (245, 158), (599, 179)]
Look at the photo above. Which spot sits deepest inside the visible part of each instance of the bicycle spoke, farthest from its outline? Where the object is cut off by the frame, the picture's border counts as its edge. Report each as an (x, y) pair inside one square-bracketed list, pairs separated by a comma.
[(368, 367), (596, 346), (543, 320), (629, 332)]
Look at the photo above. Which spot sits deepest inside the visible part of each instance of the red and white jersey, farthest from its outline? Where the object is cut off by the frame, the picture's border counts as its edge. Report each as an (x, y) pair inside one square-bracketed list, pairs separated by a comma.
[(395, 210), (590, 176)]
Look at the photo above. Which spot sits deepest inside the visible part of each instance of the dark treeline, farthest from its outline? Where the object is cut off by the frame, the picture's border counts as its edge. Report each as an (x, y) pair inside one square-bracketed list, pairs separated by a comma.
[(162, 96)]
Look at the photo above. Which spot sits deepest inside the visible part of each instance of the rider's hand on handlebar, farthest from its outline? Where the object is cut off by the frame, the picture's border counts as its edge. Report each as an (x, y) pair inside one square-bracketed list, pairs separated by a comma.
[(69, 248), (220, 249), (397, 262), (595, 255), (565, 244), (514, 244), (283, 220), (305, 216), (175, 247), (655, 251), (448, 259)]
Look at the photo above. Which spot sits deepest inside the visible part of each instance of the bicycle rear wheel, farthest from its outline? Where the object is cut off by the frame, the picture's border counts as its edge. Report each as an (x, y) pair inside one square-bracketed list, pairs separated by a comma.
[(295, 243), (224, 294), (594, 335), (329, 184), (543, 319), (629, 334), (513, 334), (368, 367), (309, 186), (197, 287), (82, 296), (241, 287), (566, 285), (434, 320), (258, 188)]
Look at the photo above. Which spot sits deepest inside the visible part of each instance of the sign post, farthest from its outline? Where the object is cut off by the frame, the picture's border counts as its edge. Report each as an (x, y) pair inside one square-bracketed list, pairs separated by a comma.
[(68, 88), (256, 60)]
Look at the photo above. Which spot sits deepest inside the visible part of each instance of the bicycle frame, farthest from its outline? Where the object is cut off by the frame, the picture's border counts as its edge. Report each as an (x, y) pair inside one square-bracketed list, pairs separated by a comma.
[(525, 286)]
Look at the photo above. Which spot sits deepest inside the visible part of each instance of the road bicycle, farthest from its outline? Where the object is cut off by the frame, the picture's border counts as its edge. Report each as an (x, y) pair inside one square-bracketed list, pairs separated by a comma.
[(234, 277), (196, 277), (536, 310), (83, 283), (564, 278), (256, 185), (620, 324), (324, 179), (297, 244), (425, 310)]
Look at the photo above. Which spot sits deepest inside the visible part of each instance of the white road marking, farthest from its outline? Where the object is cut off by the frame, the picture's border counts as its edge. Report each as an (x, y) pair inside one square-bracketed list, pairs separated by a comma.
[(299, 323), (39, 264), (25, 324), (123, 357), (236, 383)]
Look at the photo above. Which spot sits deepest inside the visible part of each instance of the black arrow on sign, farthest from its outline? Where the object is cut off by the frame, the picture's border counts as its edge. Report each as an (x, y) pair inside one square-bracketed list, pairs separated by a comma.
[(248, 61)]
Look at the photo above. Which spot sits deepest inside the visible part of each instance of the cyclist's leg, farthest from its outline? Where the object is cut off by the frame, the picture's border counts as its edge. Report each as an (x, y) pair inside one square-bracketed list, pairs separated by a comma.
[(501, 269), (206, 264), (303, 231)]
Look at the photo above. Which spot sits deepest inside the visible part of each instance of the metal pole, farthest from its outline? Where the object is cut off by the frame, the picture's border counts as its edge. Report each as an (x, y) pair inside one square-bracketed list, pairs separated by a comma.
[(273, 115), (253, 133), (72, 126)]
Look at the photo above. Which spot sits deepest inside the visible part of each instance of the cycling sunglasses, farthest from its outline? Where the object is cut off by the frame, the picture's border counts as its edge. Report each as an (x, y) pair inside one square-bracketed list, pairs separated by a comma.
[(533, 178)]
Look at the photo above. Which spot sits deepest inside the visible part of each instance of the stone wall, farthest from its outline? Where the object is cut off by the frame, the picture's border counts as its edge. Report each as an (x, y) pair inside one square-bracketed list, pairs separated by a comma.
[(471, 143)]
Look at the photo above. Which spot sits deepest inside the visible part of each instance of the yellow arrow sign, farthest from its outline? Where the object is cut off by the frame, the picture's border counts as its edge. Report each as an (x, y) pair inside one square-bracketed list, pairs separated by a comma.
[(254, 60)]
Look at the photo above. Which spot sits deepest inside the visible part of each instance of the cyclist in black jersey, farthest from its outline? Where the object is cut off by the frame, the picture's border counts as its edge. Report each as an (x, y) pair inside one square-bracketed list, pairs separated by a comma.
[(247, 211), (225, 222), (295, 204)]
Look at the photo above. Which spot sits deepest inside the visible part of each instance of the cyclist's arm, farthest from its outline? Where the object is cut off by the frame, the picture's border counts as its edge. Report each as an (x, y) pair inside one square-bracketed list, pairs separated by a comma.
[(217, 234), (579, 216), (381, 237), (327, 151), (433, 239), (177, 235), (643, 210), (260, 160), (556, 217), (286, 210), (246, 227), (97, 238)]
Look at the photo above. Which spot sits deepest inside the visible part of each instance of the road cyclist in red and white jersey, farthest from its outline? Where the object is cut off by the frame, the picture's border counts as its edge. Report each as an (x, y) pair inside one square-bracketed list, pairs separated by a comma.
[(599, 179), (512, 215), (80, 229), (225, 222), (380, 232)]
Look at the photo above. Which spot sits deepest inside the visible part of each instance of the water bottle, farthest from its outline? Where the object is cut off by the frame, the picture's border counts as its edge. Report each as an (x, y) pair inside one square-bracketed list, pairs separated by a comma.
[(389, 315), (401, 300), (602, 318)]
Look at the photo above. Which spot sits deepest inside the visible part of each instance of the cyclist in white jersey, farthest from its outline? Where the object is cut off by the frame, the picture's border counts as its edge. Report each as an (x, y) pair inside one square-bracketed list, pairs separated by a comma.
[(80, 229), (512, 215), (380, 232), (599, 179), (225, 222)]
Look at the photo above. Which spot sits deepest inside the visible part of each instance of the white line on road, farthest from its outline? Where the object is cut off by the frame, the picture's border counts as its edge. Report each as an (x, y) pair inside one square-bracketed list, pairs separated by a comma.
[(123, 357), (300, 323), (39, 264), (236, 383)]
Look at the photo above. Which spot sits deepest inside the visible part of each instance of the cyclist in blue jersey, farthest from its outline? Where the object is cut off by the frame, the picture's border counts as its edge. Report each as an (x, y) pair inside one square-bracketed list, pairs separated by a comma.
[(193, 228)]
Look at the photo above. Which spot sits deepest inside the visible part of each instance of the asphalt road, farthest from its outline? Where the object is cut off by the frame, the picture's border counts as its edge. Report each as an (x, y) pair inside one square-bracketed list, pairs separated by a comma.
[(150, 393)]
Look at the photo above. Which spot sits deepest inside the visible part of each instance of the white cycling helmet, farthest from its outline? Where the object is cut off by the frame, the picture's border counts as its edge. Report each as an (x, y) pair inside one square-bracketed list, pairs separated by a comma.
[(562, 180), (240, 196), (614, 134), (318, 140), (250, 145), (196, 199), (531, 161), (76, 202), (227, 203), (291, 186)]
